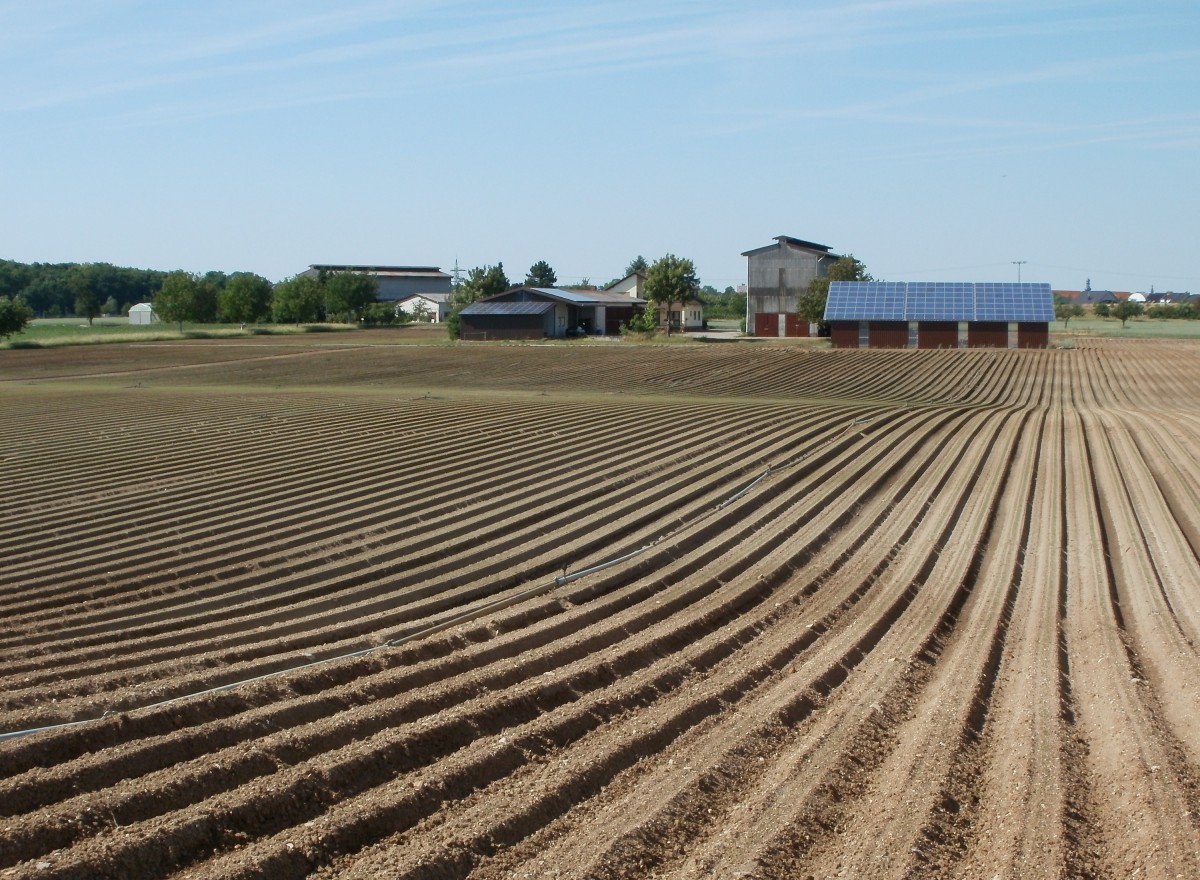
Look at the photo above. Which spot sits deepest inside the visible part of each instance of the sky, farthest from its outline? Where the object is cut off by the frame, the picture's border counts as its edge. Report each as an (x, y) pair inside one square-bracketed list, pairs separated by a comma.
[(956, 140)]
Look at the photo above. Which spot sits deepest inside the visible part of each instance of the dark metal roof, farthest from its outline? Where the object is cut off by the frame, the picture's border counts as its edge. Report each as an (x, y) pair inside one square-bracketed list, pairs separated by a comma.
[(424, 271), (794, 242), (491, 307)]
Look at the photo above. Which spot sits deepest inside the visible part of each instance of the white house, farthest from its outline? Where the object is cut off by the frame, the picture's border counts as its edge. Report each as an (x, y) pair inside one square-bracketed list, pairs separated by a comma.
[(425, 306), (631, 285), (142, 313)]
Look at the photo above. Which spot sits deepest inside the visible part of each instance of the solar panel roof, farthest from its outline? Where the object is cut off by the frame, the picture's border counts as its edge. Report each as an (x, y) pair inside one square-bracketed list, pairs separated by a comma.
[(939, 301)]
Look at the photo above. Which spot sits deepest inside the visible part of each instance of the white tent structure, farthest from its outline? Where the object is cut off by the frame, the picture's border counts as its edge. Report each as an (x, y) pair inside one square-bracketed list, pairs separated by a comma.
[(142, 313)]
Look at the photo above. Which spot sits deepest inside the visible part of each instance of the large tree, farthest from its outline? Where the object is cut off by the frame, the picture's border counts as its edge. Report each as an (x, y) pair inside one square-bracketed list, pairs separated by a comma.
[(186, 297), (669, 280), (482, 281), (14, 315), (298, 299), (541, 275), (637, 264), (347, 295), (1125, 309), (1065, 311), (92, 284), (245, 298), (811, 303)]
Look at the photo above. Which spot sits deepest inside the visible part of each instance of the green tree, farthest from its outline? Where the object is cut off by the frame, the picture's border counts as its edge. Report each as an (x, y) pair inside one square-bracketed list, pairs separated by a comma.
[(382, 314), (810, 305), (87, 306), (1102, 310), (1065, 311), (482, 282), (669, 280), (541, 275), (723, 304), (110, 307), (84, 283), (14, 315), (421, 313), (637, 264), (298, 299), (14, 278), (1124, 310), (186, 297), (245, 298), (347, 295)]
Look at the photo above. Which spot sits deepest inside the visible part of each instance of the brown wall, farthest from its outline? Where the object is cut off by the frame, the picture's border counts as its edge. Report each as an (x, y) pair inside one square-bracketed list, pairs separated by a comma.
[(766, 324), (889, 334), (614, 317), (483, 327), (937, 334), (1033, 335), (987, 334), (843, 334)]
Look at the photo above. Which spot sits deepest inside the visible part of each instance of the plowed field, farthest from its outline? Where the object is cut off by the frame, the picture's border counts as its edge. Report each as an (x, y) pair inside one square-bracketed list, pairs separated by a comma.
[(319, 608)]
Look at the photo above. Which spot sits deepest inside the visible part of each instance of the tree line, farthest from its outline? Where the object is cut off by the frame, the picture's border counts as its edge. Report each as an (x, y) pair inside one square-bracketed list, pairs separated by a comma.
[(92, 290)]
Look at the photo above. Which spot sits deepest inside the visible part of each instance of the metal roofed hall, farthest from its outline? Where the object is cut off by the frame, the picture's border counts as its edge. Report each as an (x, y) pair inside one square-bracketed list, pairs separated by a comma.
[(938, 301), (939, 314)]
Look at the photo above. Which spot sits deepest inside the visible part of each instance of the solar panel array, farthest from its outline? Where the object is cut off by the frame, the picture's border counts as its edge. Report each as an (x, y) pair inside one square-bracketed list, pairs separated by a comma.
[(939, 301)]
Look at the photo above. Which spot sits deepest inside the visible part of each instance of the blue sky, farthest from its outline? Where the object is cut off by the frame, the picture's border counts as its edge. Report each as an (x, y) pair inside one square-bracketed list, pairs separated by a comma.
[(934, 139)]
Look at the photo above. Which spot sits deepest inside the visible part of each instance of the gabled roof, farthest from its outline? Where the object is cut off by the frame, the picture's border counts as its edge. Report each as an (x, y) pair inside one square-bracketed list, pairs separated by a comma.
[(787, 241), (433, 296), (939, 301), (641, 275)]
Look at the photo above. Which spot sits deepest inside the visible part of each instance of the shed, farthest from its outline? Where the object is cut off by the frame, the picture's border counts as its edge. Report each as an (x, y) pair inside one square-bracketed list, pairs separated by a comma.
[(510, 320), (142, 313), (561, 312), (938, 314)]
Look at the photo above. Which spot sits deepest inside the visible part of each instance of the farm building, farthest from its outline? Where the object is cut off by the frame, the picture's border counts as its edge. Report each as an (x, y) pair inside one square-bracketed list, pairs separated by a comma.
[(142, 313), (936, 314), (777, 275), (425, 306), (691, 317), (539, 312), (395, 282), (631, 285)]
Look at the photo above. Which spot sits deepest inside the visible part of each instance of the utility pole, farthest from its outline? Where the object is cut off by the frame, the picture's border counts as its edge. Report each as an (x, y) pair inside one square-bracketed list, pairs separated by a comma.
[(1018, 264)]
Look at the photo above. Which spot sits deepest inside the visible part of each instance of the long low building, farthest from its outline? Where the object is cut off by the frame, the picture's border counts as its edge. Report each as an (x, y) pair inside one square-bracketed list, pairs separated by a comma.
[(540, 312), (939, 314), (393, 283)]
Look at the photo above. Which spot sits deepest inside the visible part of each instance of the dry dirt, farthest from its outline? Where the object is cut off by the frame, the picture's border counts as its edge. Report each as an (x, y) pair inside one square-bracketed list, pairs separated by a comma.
[(308, 608)]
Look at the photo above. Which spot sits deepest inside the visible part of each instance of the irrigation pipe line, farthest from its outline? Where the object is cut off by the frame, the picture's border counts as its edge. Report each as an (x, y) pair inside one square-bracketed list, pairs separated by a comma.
[(467, 616)]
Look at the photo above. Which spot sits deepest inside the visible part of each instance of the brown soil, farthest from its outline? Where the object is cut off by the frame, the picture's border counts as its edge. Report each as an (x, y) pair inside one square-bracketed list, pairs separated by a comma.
[(293, 607)]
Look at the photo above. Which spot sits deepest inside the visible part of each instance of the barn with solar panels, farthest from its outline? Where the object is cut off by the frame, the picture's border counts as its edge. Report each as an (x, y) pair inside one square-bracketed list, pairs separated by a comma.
[(939, 314)]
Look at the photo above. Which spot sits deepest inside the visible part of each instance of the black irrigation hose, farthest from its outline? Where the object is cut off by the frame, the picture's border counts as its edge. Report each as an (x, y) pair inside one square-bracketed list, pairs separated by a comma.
[(467, 616)]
